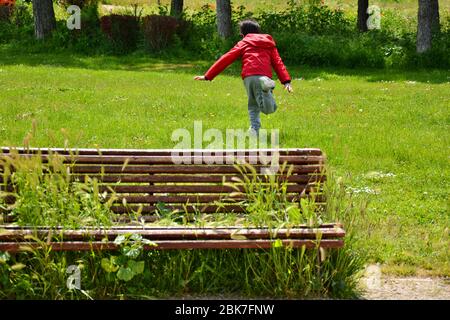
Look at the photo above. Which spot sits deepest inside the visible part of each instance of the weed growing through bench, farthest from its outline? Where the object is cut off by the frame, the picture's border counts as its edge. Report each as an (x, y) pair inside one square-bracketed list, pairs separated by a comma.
[(267, 202), (127, 264), (264, 197)]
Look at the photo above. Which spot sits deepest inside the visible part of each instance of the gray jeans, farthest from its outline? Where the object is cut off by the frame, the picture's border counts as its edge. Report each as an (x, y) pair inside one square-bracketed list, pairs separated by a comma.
[(258, 101)]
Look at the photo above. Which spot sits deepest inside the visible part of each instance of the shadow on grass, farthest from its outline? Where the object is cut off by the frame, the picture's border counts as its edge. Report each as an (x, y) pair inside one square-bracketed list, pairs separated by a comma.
[(135, 62), (140, 62), (434, 76)]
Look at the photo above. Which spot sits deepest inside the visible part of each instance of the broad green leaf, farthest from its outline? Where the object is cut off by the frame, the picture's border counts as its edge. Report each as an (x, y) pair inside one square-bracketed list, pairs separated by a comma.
[(125, 274), (119, 240), (136, 266), (120, 260), (131, 252), (108, 265), (136, 237)]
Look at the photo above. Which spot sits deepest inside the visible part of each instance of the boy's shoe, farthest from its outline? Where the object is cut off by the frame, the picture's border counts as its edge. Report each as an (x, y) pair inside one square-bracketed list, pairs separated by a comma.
[(267, 84)]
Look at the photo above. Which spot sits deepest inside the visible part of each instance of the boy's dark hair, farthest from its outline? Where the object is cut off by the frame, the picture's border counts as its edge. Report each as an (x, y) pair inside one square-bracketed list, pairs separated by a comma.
[(249, 26)]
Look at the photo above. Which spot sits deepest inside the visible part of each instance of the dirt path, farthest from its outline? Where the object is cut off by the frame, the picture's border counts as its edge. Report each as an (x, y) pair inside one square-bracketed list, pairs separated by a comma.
[(109, 8), (382, 287)]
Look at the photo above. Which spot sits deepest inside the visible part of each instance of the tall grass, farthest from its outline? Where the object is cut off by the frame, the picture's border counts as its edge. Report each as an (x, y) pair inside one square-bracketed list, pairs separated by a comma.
[(276, 272), (44, 194), (265, 198)]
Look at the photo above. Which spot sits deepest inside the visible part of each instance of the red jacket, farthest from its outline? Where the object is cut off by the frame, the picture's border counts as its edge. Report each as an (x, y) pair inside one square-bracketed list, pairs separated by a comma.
[(259, 54)]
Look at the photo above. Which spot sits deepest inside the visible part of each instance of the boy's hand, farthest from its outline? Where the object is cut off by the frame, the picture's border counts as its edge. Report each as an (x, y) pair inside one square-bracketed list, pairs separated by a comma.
[(199, 78), (288, 87)]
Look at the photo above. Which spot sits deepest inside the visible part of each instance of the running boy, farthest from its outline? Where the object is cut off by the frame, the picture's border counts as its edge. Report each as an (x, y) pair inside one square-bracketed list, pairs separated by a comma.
[(259, 54)]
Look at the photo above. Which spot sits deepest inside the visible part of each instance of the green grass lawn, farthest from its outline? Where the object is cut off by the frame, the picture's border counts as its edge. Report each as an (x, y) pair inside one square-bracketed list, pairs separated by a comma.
[(394, 123), (277, 4)]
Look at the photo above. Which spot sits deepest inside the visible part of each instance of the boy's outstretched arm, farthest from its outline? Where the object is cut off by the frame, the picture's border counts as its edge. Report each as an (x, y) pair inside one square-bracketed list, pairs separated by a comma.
[(223, 62), (281, 70)]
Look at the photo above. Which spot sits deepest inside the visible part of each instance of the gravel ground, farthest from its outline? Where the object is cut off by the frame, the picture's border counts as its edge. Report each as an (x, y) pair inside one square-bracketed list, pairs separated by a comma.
[(377, 286)]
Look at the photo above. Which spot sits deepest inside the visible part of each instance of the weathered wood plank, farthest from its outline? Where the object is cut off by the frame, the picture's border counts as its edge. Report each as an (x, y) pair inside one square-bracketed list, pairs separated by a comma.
[(180, 234), (298, 188), (158, 152), (203, 159), (192, 178), (209, 169), (177, 244)]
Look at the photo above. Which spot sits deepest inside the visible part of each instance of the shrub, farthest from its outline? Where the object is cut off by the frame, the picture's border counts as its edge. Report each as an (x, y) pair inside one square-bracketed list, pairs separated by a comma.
[(121, 30), (332, 50), (88, 40), (159, 31), (19, 24), (315, 19), (6, 9), (5, 13), (90, 19), (22, 14), (437, 57)]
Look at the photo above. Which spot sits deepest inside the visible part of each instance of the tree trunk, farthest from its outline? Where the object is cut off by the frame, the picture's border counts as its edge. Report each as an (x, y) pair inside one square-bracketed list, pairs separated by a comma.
[(44, 18), (363, 5), (435, 23), (176, 8), (424, 26), (224, 18)]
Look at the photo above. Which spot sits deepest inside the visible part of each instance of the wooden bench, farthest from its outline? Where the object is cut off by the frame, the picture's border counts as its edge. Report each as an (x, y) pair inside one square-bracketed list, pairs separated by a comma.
[(144, 179)]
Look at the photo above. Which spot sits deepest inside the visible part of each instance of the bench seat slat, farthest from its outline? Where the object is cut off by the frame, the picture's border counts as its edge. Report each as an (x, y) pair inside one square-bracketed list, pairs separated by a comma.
[(177, 244), (12, 226), (173, 234)]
